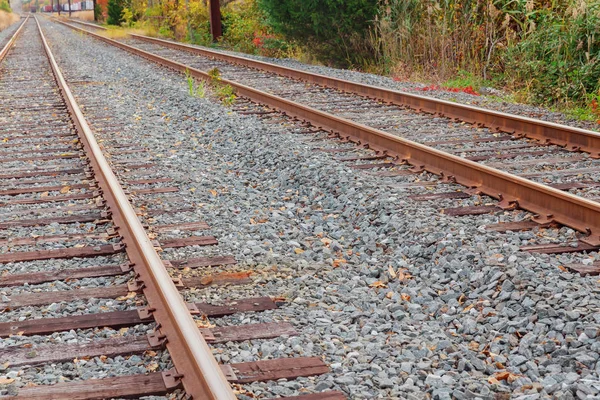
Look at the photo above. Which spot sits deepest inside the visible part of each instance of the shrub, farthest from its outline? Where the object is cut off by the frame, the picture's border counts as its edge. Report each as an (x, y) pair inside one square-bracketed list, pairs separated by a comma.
[(5, 6), (115, 12), (333, 29), (98, 12)]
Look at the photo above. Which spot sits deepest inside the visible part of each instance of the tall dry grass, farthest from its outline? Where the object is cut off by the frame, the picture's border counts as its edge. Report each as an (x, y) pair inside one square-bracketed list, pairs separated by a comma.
[(7, 19)]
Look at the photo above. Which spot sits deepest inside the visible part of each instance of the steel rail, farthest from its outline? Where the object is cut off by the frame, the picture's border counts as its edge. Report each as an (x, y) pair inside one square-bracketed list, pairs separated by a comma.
[(549, 204), (12, 40), (198, 370), (574, 139)]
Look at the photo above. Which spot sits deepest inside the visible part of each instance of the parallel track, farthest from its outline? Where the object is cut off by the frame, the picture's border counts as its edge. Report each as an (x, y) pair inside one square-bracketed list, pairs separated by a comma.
[(549, 204), (45, 120)]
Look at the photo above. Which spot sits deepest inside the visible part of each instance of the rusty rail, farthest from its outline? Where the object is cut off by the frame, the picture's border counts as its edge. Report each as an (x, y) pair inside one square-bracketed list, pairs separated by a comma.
[(8, 45), (549, 204), (572, 138), (546, 132), (197, 369)]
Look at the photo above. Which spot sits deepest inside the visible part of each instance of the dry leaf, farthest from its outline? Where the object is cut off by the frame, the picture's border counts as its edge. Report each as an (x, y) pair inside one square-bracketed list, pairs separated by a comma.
[(405, 297), (389, 295), (338, 261), (129, 295), (65, 189), (391, 271), (493, 381), (44, 194), (563, 269), (326, 241), (298, 250), (152, 367), (467, 308), (6, 381), (213, 192), (378, 284)]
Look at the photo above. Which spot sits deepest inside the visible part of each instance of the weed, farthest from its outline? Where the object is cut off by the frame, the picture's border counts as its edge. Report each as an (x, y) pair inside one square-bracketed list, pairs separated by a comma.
[(226, 93), (215, 75), (201, 89), (190, 82)]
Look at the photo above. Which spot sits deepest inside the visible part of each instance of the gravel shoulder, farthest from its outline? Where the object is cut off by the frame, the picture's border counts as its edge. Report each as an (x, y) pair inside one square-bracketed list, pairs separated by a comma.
[(401, 300)]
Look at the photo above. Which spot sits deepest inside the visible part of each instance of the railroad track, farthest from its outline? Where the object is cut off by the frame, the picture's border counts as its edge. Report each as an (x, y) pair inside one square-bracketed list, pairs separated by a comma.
[(545, 168), (84, 289)]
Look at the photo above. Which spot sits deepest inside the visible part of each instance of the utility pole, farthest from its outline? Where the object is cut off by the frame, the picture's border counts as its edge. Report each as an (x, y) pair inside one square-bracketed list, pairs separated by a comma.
[(215, 19)]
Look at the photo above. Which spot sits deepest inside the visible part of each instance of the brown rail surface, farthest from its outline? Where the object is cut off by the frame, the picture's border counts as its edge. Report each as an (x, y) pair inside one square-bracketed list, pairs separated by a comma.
[(549, 204), (198, 371)]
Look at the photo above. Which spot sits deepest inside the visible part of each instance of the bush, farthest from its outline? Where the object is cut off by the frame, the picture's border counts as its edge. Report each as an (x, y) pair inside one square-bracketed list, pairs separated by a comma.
[(557, 59), (332, 29), (5, 6), (115, 12), (98, 12)]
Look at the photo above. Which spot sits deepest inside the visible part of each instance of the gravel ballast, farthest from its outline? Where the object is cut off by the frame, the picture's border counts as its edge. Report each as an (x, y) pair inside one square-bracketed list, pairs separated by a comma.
[(400, 300)]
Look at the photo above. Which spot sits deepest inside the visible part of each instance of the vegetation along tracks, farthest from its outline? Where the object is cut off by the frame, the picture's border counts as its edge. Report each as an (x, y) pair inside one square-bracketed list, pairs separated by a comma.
[(525, 163), (76, 256)]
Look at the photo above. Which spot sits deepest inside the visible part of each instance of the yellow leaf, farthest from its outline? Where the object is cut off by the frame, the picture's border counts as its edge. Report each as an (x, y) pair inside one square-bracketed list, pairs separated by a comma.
[(152, 367), (467, 308), (65, 189), (298, 250), (391, 271), (129, 295), (192, 189)]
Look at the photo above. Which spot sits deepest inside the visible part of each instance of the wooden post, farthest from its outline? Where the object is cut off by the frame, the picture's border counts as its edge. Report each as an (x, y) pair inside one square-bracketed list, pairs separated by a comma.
[(215, 19), (69, 1), (58, 2)]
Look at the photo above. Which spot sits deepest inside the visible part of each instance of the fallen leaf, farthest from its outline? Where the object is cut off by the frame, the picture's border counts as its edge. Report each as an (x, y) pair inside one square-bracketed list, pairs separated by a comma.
[(213, 192), (493, 381), (65, 189), (6, 381), (405, 297), (338, 261), (129, 295), (298, 250), (378, 284), (563, 269), (152, 367), (467, 308), (391, 271), (45, 194), (326, 241), (389, 295)]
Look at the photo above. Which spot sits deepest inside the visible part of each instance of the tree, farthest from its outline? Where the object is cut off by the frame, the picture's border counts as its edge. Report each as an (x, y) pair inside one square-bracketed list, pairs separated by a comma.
[(115, 12), (336, 27)]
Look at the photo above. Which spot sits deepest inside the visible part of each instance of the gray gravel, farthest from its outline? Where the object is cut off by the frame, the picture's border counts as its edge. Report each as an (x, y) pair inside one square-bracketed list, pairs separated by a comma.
[(401, 300)]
